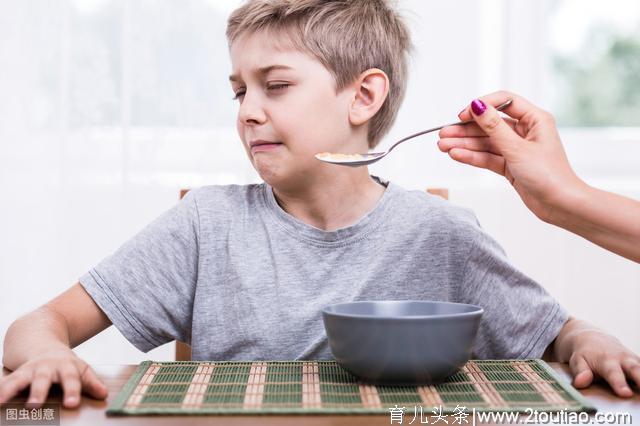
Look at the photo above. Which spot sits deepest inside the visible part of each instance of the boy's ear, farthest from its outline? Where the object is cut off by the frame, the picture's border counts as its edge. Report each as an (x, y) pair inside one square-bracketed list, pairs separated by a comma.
[(371, 89)]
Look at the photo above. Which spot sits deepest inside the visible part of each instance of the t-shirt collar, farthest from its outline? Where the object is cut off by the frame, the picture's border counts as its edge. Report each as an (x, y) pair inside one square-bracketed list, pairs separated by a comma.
[(358, 230)]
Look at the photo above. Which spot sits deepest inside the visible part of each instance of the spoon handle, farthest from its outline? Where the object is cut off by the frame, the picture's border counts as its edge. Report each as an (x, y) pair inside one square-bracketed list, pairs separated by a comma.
[(499, 108)]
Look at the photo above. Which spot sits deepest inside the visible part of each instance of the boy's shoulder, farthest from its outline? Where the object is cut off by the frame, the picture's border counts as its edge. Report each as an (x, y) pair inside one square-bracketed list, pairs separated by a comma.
[(218, 205), (225, 196), (420, 207), (433, 221)]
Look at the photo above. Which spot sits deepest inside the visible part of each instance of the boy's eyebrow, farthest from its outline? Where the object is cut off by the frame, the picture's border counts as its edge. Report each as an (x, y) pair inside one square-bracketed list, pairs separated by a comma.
[(263, 71)]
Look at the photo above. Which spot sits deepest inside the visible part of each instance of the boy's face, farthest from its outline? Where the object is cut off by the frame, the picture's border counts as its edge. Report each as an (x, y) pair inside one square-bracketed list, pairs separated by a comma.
[(288, 110)]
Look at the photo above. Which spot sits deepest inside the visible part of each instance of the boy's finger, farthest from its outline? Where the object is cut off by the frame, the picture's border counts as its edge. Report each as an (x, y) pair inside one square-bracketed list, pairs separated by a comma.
[(484, 160), (92, 385), (70, 382), (12, 384), (613, 374), (40, 387), (632, 368), (582, 374)]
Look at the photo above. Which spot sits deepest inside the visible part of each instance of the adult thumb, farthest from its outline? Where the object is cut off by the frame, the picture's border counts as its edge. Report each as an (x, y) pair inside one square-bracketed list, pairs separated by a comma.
[(487, 118)]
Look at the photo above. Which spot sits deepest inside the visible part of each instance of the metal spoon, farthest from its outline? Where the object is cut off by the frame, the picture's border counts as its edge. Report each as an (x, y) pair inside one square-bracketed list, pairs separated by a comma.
[(355, 160)]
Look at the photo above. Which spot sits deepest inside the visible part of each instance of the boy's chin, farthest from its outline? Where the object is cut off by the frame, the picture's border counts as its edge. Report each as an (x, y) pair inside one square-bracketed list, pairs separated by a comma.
[(283, 178), (270, 173)]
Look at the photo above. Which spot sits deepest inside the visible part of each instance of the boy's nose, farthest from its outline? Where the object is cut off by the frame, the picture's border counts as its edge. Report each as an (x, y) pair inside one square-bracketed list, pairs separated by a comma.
[(251, 112)]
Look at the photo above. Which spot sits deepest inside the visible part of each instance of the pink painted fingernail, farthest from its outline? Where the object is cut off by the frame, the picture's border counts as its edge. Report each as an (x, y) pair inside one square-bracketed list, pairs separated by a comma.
[(478, 107)]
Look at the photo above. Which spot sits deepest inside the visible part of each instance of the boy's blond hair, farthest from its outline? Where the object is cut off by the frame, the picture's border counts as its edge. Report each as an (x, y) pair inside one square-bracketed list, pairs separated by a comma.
[(346, 36)]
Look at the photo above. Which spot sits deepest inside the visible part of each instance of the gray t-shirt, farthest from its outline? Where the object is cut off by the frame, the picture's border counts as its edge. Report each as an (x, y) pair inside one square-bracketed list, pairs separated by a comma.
[(230, 272)]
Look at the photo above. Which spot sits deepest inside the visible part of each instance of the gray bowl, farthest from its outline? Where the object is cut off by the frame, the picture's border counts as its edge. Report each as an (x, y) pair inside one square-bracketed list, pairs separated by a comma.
[(401, 342)]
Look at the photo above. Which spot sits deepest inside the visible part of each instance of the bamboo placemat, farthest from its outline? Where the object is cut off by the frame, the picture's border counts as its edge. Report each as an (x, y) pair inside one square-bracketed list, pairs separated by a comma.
[(323, 387)]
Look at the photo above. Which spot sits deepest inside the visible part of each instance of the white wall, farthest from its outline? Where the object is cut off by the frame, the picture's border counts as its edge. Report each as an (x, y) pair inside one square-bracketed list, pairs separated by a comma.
[(72, 194)]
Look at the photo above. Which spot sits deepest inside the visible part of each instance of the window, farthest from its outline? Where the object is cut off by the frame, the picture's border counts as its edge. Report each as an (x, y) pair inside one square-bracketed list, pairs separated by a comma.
[(595, 48)]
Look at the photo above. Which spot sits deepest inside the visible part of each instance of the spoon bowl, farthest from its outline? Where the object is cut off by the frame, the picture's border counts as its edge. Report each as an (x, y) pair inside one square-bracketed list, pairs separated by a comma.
[(357, 160)]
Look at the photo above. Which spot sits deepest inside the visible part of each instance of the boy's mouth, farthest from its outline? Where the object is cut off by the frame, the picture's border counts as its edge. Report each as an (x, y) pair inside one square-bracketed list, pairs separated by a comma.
[(261, 145)]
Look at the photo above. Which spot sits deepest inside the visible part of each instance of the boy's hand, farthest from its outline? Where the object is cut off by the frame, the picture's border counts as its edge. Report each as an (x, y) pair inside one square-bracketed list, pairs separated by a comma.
[(595, 354), (59, 366)]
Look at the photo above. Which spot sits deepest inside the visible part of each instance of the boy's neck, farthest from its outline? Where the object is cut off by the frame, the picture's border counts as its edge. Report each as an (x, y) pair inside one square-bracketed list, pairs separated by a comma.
[(332, 202)]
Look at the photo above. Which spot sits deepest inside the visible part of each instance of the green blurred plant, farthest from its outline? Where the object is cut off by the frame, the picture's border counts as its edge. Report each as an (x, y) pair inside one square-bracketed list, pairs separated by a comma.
[(600, 84)]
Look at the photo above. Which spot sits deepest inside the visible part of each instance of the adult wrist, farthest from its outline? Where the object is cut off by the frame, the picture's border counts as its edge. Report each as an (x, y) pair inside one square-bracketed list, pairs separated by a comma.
[(568, 202)]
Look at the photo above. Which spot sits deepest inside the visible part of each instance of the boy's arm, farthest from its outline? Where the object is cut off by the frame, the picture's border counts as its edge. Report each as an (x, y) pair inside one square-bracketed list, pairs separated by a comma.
[(38, 348), (592, 353)]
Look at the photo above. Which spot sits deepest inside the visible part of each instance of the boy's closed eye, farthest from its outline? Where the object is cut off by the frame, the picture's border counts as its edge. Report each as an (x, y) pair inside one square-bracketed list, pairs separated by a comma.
[(272, 87)]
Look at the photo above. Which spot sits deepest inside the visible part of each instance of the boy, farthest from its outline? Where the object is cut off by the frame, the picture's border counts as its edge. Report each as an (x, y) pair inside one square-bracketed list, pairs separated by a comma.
[(242, 272)]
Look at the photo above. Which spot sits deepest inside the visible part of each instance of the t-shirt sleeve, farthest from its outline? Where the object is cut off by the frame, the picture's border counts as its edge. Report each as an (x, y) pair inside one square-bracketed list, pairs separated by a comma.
[(147, 286), (520, 317)]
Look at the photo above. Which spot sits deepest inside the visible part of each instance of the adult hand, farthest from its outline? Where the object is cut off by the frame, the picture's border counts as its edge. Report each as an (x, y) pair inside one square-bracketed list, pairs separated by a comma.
[(524, 147)]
